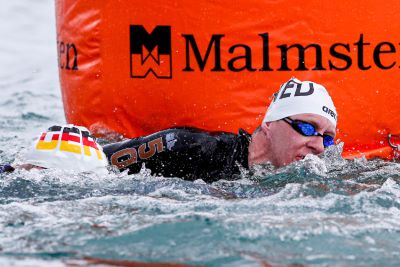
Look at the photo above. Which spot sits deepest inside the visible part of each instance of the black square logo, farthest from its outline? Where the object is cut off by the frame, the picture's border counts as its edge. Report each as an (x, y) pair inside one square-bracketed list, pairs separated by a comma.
[(150, 52)]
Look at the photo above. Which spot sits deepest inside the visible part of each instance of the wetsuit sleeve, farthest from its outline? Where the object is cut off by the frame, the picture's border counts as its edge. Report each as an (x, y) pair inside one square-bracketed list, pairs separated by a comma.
[(131, 154), (187, 153), (164, 152)]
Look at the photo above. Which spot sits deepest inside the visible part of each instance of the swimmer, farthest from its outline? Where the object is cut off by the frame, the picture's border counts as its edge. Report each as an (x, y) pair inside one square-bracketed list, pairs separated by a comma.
[(300, 120)]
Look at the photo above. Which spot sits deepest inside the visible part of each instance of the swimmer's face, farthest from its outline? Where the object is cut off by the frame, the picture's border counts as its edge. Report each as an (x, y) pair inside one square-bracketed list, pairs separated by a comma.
[(287, 145)]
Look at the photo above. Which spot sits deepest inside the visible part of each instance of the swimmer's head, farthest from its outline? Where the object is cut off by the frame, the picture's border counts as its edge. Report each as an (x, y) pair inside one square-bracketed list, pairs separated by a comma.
[(296, 97), (68, 147), (300, 120)]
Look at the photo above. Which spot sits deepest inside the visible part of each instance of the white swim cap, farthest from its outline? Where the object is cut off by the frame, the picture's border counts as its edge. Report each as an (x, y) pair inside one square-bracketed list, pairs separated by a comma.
[(68, 147), (297, 97)]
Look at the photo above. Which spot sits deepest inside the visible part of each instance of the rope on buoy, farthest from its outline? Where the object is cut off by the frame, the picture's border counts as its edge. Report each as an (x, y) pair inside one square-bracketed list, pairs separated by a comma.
[(397, 147)]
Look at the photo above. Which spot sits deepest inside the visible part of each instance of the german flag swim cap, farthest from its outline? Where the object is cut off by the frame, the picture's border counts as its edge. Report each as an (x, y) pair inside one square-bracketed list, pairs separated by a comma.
[(68, 147)]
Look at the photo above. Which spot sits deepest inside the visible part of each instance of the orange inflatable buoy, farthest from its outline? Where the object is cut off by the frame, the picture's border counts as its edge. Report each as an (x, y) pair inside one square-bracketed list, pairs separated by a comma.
[(136, 67)]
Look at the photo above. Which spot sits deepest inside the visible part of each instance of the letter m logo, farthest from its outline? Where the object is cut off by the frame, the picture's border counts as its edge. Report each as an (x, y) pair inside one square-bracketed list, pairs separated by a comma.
[(151, 52)]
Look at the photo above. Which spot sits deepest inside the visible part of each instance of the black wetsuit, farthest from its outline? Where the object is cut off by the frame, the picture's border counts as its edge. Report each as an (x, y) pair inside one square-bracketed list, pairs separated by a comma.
[(188, 153)]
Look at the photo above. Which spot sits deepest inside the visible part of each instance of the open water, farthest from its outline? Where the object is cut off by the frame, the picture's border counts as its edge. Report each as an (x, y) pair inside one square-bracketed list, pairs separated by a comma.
[(318, 212)]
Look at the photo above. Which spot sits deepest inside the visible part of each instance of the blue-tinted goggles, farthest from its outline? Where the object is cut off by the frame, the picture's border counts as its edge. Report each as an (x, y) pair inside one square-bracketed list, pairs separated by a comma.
[(307, 129)]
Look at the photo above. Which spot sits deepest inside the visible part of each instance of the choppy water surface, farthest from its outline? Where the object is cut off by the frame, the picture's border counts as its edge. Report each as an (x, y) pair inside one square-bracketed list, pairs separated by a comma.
[(318, 212)]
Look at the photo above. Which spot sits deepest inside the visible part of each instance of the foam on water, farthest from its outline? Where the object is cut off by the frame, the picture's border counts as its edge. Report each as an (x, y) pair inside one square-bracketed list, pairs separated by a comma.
[(310, 216), (321, 211)]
